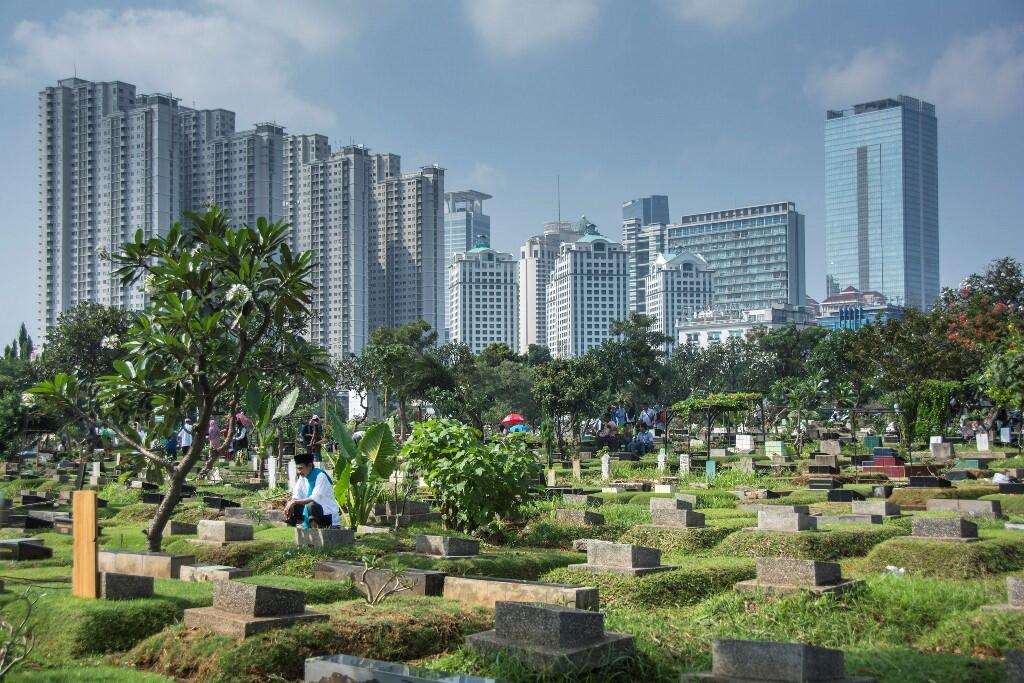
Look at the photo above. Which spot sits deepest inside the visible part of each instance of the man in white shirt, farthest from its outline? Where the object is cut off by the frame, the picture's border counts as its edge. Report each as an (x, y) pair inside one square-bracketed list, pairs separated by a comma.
[(185, 437), (312, 503)]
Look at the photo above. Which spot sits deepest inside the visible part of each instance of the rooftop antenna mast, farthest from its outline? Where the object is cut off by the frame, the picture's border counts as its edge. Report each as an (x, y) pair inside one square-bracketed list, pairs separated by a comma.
[(558, 181)]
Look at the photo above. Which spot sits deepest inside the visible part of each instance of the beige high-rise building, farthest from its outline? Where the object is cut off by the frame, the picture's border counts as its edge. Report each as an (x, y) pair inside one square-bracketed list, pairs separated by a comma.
[(536, 261), (483, 296)]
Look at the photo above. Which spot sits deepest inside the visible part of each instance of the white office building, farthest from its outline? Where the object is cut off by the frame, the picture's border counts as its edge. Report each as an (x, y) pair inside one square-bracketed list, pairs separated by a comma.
[(483, 290), (536, 261), (643, 242), (587, 291), (715, 327), (677, 287), (465, 225)]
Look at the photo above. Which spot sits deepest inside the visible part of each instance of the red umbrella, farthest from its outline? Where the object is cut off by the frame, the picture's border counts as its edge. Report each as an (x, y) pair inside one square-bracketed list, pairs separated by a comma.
[(513, 419)]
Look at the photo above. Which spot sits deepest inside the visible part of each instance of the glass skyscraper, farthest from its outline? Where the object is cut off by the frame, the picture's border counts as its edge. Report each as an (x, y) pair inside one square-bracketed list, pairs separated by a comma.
[(882, 200), (464, 223), (646, 210)]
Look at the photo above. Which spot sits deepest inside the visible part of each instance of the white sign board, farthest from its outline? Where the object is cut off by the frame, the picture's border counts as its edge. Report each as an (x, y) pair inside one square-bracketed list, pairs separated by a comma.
[(935, 439), (981, 439), (1004, 434)]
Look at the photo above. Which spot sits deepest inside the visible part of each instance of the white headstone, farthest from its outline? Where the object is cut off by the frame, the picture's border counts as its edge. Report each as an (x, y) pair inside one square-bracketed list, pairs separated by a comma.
[(215, 474), (293, 474), (1004, 434), (606, 465), (272, 472), (661, 460), (934, 439), (684, 464), (254, 462), (96, 469), (981, 439), (773, 448), (744, 442)]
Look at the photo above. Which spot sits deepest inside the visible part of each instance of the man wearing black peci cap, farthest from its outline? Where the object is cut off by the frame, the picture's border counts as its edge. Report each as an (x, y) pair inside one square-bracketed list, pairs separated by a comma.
[(312, 503)]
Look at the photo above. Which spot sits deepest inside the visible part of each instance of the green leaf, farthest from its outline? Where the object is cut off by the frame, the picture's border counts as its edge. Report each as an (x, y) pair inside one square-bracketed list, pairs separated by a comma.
[(378, 445), (342, 482), (287, 404), (253, 399), (342, 435)]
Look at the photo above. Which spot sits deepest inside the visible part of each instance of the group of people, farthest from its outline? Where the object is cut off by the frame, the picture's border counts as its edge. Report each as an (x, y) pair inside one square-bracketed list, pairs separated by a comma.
[(617, 430)]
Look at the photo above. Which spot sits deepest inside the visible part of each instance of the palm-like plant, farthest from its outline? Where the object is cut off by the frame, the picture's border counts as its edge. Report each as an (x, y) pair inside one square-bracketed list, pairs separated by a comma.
[(361, 470)]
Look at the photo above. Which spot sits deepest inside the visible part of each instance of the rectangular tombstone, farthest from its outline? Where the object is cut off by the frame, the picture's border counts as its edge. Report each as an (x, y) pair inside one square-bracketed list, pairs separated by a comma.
[(1015, 592), (608, 554), (875, 507), (757, 660), (768, 521), (981, 439), (125, 586), (744, 442), (774, 448), (362, 670), (823, 460), (157, 565), (987, 509), (212, 572), (446, 546), (745, 465), (252, 516), (176, 528), (797, 572), (487, 591), (943, 528), (679, 519), (323, 538), (718, 453), (578, 517), (669, 504), (257, 601), (830, 447), (581, 499), (942, 451), (420, 581), (664, 488), (546, 625), (223, 532), (688, 498)]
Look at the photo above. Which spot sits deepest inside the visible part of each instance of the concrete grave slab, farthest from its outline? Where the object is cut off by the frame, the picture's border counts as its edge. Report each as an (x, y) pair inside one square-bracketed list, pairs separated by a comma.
[(124, 586), (487, 591), (747, 661), (324, 538), (579, 517), (420, 581), (212, 572), (784, 575), (446, 546), (346, 668)]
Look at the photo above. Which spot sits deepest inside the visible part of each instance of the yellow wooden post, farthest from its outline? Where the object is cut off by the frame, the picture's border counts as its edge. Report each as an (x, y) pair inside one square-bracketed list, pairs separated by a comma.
[(84, 579)]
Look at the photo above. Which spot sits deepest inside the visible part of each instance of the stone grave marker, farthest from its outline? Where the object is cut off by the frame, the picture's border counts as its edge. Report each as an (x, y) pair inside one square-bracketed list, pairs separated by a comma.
[(740, 661), (551, 479), (272, 472), (293, 474), (622, 558), (985, 509), (420, 581), (981, 440), (1004, 435), (581, 499), (350, 668), (941, 452), (84, 562), (124, 586), (932, 440), (676, 503), (677, 518), (324, 538), (487, 591), (578, 517), (876, 507), (783, 575), (242, 610), (80, 478), (684, 464), (943, 529), (1015, 665), (1014, 595), (212, 572), (769, 519), (718, 453), (215, 532), (661, 460), (606, 467), (745, 442), (446, 546), (576, 470), (831, 447), (157, 565), (745, 465), (551, 638), (774, 448), (710, 469)]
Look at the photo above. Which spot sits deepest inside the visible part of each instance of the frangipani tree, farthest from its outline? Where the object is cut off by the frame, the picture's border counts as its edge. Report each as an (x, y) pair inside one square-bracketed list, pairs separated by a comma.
[(215, 293)]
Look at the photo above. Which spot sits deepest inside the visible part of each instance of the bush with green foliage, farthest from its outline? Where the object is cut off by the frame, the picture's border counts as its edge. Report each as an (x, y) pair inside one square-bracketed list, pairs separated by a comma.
[(474, 483), (361, 472)]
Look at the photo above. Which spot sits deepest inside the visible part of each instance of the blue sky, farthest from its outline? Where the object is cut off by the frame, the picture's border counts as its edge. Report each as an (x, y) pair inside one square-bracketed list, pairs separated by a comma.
[(715, 103)]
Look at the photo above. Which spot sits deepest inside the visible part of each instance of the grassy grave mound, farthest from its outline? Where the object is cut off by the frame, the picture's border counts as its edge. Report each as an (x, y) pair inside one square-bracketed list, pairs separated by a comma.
[(687, 585), (240, 554), (908, 496), (833, 544), (318, 592), (641, 666), (547, 533), (946, 559), (107, 674), (133, 513), (401, 629), (905, 665), (679, 540), (1011, 504), (513, 564), (981, 634)]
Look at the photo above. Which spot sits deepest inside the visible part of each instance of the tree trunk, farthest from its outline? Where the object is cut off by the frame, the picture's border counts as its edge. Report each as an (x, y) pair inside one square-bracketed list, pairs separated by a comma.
[(155, 532)]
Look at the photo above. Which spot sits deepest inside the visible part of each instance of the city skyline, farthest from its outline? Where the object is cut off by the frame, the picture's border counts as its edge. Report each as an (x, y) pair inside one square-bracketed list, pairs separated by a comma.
[(747, 137)]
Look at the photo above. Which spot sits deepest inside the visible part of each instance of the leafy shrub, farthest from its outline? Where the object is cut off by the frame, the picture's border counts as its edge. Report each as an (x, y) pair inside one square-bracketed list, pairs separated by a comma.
[(673, 588), (473, 483), (949, 560), (824, 545)]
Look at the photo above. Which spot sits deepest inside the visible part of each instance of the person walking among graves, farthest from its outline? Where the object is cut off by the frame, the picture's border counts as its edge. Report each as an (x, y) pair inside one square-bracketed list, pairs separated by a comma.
[(213, 436), (185, 437), (312, 504), (648, 416), (240, 441), (619, 413), (171, 445), (312, 433)]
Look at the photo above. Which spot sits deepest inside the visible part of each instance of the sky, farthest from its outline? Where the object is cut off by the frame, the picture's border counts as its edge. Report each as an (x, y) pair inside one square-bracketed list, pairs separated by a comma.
[(715, 103)]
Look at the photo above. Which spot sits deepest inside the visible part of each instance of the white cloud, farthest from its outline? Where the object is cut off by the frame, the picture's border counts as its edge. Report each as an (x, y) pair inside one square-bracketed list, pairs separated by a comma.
[(483, 177), (872, 73), (243, 56), (508, 28), (980, 74), (727, 14)]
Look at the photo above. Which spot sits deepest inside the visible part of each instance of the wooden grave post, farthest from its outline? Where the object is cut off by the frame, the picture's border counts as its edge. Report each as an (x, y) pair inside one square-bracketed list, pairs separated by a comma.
[(84, 560)]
